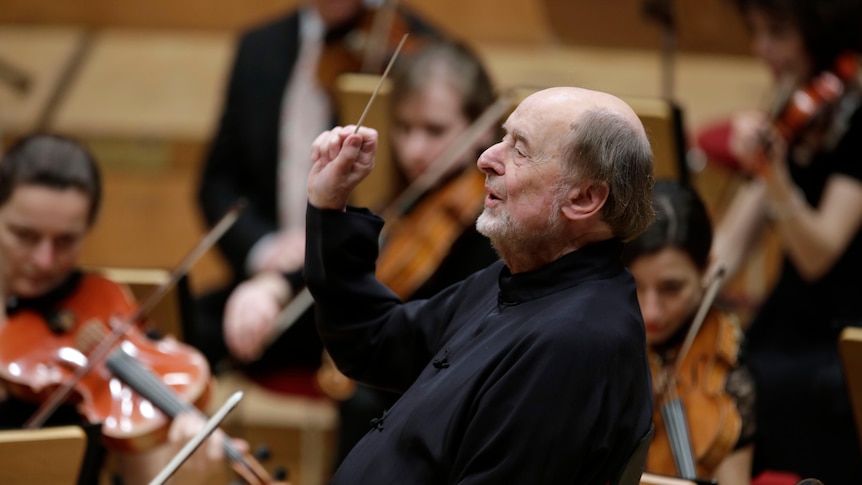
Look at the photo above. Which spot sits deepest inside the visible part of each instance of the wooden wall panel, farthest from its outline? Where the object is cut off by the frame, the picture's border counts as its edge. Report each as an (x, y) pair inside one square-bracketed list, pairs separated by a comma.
[(702, 26), (183, 14)]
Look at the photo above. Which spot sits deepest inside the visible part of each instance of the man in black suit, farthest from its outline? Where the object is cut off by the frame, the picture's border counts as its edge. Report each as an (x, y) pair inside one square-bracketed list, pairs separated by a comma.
[(268, 100)]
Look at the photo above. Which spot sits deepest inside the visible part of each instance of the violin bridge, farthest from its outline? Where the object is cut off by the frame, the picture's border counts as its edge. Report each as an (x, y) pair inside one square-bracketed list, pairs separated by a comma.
[(92, 332)]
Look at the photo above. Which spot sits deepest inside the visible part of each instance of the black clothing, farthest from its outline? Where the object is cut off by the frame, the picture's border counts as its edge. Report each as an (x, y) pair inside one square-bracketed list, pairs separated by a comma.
[(468, 254), (805, 423), (538, 377)]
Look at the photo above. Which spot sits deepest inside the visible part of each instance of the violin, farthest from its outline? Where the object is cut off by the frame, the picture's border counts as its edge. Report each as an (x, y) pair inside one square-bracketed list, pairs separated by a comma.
[(364, 44), (418, 242), (799, 110), (135, 393), (697, 422), (38, 352)]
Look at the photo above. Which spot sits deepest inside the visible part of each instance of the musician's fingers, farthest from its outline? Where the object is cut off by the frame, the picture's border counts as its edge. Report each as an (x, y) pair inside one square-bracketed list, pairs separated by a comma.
[(214, 446), (241, 445), (183, 427)]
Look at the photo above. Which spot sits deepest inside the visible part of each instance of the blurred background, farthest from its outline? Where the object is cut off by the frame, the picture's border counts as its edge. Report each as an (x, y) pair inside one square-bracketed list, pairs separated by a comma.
[(142, 83)]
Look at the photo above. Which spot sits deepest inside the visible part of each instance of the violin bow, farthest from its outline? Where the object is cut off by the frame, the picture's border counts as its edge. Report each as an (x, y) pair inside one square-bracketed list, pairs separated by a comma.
[(708, 298), (440, 167), (447, 160), (195, 442), (100, 352)]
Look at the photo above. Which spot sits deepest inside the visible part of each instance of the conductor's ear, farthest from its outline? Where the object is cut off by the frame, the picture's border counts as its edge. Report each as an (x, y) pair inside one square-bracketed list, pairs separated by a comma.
[(585, 200)]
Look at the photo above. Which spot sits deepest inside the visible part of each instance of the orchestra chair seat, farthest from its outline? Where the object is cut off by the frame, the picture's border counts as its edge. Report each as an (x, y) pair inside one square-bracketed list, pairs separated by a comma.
[(653, 479), (775, 477), (285, 412), (47, 455), (634, 466), (768, 477)]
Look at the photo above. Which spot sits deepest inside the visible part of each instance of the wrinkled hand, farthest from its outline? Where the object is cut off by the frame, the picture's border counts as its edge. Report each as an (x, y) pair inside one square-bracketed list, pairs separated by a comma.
[(341, 159), (287, 252), (185, 426), (250, 314)]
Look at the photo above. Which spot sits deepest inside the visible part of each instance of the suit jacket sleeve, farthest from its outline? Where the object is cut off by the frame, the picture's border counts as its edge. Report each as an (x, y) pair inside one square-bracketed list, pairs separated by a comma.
[(243, 159)]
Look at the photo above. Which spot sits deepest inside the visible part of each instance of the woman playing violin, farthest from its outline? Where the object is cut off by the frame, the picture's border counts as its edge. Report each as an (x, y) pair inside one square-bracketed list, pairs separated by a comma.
[(668, 262), (50, 192), (808, 186)]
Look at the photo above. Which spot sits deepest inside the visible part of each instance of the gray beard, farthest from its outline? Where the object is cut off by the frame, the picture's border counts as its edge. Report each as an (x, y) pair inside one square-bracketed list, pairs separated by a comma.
[(510, 238)]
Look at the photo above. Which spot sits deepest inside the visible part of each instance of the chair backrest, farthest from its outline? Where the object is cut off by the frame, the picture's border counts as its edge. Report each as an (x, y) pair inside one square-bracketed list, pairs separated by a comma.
[(663, 122), (850, 347), (353, 93), (631, 472), (47, 455), (173, 314)]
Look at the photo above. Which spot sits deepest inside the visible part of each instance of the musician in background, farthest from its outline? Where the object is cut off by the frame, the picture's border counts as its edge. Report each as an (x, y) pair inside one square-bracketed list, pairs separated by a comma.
[(277, 101), (809, 189), (668, 262), (50, 193)]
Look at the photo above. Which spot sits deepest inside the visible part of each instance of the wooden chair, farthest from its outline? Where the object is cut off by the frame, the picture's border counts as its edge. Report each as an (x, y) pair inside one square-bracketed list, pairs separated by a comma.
[(850, 347), (47, 455), (652, 479), (663, 122)]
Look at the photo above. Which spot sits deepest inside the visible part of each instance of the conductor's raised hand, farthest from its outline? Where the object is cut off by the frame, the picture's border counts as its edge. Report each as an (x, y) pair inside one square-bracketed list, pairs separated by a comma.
[(341, 159)]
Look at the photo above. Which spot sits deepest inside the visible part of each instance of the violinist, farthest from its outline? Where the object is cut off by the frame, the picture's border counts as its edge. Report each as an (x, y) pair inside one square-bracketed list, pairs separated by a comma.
[(437, 93), (668, 262), (807, 186), (50, 192), (276, 103)]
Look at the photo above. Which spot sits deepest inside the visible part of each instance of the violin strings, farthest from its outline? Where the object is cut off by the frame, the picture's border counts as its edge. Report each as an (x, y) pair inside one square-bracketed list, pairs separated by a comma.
[(677, 427), (149, 386)]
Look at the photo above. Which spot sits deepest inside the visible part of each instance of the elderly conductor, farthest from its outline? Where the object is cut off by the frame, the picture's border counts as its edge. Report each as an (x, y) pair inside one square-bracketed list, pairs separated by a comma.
[(530, 371)]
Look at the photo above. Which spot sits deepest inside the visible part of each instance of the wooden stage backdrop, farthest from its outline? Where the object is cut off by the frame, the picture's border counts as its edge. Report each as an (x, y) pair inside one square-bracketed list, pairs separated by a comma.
[(142, 83)]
